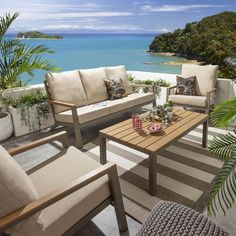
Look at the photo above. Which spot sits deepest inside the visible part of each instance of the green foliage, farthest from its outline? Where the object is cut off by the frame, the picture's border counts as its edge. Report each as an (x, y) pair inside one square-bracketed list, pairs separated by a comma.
[(159, 83), (160, 112), (224, 114), (18, 58), (36, 34), (223, 145), (25, 102), (223, 194), (210, 41)]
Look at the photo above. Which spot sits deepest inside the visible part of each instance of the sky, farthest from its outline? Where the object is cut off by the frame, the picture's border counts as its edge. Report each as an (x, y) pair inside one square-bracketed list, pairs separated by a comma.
[(109, 16)]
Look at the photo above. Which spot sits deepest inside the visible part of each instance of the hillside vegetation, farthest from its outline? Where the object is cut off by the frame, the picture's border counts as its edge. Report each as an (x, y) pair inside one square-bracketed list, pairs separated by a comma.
[(36, 34), (211, 41)]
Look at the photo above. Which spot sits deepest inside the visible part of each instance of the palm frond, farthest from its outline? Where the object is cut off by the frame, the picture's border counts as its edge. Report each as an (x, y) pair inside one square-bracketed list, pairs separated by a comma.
[(223, 193), (224, 114), (5, 23), (223, 145)]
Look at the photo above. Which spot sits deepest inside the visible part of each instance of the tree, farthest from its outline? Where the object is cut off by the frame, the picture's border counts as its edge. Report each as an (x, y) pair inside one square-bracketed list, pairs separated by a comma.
[(17, 57), (223, 193)]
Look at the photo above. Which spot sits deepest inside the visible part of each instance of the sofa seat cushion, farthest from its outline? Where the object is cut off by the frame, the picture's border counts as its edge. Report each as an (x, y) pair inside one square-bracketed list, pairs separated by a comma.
[(206, 76), (94, 86), (85, 113), (16, 191), (66, 87), (130, 101), (119, 72), (60, 216), (140, 98), (197, 101)]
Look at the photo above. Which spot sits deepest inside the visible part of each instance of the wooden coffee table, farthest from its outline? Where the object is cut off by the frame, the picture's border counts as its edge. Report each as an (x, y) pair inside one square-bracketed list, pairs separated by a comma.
[(151, 144)]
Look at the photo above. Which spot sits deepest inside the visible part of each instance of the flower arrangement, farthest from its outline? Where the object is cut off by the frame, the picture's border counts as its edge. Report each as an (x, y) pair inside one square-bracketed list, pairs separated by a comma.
[(162, 113)]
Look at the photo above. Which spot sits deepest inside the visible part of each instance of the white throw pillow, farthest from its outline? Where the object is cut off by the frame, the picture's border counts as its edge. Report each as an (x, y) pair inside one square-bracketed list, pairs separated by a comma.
[(17, 190)]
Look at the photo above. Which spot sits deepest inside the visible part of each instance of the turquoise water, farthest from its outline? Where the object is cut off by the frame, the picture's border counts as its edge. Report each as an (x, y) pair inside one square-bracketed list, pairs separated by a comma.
[(87, 51)]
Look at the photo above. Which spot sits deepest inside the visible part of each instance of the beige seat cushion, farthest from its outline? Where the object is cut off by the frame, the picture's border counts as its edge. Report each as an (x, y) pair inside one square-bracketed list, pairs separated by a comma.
[(117, 72), (131, 100), (140, 98), (85, 114), (94, 111), (60, 216), (66, 87), (94, 85), (17, 190), (206, 76), (197, 101)]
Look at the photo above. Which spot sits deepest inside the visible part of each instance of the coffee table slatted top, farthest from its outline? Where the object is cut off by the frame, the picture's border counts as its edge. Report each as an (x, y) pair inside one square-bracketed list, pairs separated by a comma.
[(123, 132)]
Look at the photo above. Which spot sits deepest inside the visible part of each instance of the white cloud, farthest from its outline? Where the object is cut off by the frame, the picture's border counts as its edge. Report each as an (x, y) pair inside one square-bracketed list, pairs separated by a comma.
[(176, 8)]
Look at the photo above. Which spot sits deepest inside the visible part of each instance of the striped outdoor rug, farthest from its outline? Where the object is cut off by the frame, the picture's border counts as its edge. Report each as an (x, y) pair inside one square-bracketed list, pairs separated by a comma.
[(185, 171)]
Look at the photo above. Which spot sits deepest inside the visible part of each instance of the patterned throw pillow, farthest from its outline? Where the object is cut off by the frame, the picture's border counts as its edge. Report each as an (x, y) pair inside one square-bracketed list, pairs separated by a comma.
[(186, 86), (115, 88)]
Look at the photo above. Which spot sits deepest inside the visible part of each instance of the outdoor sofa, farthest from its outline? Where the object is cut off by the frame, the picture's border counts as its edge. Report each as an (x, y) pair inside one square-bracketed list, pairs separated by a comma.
[(80, 97)]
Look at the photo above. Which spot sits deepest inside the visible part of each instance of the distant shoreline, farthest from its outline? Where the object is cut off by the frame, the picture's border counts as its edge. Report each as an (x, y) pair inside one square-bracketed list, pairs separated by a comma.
[(178, 62), (39, 38)]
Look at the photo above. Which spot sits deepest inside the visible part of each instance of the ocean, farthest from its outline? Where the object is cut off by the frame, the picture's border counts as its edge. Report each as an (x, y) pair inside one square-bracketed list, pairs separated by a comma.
[(88, 51)]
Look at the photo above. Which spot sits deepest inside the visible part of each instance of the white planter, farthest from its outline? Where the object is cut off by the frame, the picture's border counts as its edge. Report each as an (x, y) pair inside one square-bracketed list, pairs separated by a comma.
[(6, 127), (29, 123)]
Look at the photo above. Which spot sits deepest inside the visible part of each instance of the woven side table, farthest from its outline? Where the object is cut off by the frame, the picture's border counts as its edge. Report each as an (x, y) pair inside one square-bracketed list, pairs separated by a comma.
[(169, 218)]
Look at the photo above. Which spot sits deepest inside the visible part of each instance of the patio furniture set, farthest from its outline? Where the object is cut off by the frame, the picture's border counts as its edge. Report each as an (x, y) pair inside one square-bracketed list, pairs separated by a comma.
[(58, 197)]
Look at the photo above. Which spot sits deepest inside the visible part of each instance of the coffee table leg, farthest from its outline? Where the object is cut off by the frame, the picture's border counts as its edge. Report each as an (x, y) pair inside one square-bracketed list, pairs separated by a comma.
[(205, 134), (103, 151), (152, 174)]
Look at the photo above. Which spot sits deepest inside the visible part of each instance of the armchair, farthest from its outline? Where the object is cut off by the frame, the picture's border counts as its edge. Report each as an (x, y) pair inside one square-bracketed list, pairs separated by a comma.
[(59, 197), (205, 88)]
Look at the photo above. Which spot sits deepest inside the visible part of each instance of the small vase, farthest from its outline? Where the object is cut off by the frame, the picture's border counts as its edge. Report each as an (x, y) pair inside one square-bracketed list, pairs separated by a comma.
[(170, 114)]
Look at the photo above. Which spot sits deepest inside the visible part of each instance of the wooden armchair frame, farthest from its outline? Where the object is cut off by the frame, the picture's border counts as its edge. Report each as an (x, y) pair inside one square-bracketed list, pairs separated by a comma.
[(208, 107), (51, 198), (75, 124)]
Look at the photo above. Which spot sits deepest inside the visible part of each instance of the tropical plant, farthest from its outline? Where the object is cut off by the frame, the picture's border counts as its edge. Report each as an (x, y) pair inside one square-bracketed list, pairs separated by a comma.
[(17, 57), (223, 193)]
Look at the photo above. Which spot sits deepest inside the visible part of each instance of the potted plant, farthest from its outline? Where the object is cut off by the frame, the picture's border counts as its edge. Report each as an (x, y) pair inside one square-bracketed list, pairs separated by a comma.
[(223, 193), (6, 127), (158, 87), (30, 112)]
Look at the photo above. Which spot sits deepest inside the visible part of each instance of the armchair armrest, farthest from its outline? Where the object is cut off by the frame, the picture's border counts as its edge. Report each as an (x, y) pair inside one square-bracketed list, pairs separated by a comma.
[(170, 88), (65, 104), (62, 136), (51, 198), (211, 91)]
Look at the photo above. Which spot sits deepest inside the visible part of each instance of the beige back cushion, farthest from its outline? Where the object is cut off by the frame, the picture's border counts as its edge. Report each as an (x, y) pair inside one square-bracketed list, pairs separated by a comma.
[(17, 190), (119, 72), (94, 85), (66, 87), (206, 76)]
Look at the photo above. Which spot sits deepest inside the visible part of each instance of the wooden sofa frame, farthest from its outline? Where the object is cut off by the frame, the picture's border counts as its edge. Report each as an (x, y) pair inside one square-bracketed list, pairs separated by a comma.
[(206, 109), (75, 124), (51, 198)]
